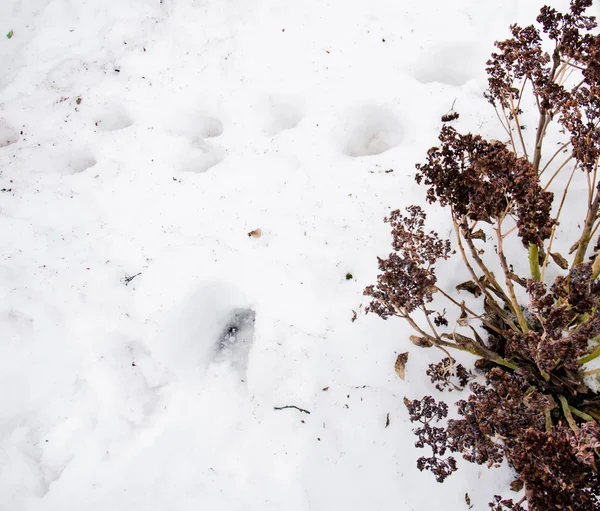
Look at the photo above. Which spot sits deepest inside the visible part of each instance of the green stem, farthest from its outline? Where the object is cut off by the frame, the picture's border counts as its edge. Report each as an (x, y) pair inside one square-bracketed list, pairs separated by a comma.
[(567, 413), (591, 372), (534, 262), (595, 353), (467, 344), (548, 420), (582, 415)]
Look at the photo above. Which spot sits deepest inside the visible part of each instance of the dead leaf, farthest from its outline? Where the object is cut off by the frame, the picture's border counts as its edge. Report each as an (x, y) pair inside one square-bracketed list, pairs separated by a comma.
[(516, 485), (560, 260), (256, 233), (400, 364), (574, 247), (387, 420), (470, 287), (477, 235), (468, 500), (325, 389), (421, 342), (519, 280)]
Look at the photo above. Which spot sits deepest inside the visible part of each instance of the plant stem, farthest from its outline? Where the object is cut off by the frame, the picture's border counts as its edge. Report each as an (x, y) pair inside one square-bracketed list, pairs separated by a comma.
[(483, 288), (595, 353), (557, 172), (467, 344), (591, 372), (586, 235), (581, 415), (511, 288), (515, 114), (567, 413), (534, 262), (562, 203), (548, 420), (596, 267), (539, 140), (558, 151)]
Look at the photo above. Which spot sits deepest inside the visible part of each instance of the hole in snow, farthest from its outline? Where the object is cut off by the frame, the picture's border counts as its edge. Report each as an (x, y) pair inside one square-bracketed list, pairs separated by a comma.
[(113, 118), (200, 158), (283, 114), (195, 125), (209, 127), (236, 338), (450, 64), (8, 135), (80, 161), (372, 130)]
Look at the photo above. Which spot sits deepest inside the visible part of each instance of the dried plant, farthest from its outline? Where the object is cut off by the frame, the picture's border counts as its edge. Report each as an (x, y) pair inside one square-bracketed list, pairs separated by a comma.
[(532, 336)]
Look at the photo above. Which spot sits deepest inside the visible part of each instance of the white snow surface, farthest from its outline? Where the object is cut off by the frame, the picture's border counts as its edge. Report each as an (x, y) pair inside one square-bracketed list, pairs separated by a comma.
[(147, 137)]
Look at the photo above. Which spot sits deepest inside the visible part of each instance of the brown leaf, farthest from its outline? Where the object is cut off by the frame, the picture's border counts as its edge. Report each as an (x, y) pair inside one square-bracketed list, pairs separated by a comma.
[(574, 247), (400, 364), (519, 280), (516, 485), (560, 260), (477, 235), (325, 389), (468, 500), (256, 233), (421, 342), (470, 287)]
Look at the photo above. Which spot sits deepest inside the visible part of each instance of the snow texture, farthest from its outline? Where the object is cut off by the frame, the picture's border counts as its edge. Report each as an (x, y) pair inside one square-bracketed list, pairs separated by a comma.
[(146, 338)]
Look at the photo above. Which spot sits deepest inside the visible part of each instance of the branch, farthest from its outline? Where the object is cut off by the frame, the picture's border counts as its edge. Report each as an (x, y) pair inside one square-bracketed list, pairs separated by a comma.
[(586, 235), (291, 406), (509, 283)]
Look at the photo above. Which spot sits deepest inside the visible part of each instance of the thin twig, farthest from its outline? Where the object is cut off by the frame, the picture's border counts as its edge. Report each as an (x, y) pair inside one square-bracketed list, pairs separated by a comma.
[(291, 406), (552, 234), (475, 315), (511, 288), (559, 150), (557, 172), (515, 114)]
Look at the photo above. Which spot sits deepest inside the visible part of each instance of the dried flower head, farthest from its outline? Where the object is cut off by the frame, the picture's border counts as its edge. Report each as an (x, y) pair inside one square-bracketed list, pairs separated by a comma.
[(485, 181), (408, 275)]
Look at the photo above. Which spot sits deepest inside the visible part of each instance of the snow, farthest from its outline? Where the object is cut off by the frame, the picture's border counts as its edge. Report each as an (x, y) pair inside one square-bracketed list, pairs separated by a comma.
[(151, 137)]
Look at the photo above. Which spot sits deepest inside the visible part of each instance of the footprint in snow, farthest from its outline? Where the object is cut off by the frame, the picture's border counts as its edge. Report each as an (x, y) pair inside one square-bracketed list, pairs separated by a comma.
[(371, 130), (283, 113), (78, 161), (449, 64), (194, 124), (63, 160), (236, 340), (8, 135), (112, 118), (213, 325), (200, 157), (196, 128)]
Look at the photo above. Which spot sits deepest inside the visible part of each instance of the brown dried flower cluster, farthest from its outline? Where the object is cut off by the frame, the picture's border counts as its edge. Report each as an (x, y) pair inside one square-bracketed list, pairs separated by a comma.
[(408, 276), (485, 181)]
